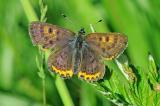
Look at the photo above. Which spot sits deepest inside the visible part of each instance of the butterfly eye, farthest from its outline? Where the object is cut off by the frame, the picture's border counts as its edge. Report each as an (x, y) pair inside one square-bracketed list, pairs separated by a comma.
[(50, 30)]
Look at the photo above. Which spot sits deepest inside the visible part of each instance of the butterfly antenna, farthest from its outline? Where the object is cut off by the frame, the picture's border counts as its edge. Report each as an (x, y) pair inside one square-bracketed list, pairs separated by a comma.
[(92, 25), (99, 21), (65, 17)]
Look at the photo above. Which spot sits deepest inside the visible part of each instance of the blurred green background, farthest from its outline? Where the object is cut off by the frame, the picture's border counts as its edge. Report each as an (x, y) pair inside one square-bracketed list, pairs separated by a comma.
[(19, 83)]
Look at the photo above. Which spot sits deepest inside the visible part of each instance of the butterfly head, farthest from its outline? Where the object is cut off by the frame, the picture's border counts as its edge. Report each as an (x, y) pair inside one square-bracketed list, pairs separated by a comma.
[(81, 31)]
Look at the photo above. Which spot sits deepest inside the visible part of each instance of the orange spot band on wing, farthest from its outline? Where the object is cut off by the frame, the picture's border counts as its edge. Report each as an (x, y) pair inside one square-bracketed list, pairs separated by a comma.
[(111, 39), (89, 77), (63, 73), (44, 50), (109, 58), (103, 39), (46, 29), (49, 30)]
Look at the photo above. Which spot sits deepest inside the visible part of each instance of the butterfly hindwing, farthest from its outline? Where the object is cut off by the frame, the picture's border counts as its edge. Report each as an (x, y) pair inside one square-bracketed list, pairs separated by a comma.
[(49, 35), (91, 68), (60, 62), (109, 45)]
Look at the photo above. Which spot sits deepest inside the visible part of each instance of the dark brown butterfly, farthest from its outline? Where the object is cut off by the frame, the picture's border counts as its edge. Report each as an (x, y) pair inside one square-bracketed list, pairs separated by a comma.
[(76, 53)]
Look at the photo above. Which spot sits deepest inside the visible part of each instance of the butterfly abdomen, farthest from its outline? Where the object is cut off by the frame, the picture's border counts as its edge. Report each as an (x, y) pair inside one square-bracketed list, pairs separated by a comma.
[(77, 61)]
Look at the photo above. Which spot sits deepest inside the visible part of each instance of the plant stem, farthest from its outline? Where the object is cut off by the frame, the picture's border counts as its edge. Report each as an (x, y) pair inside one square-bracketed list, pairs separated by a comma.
[(44, 92), (31, 15), (63, 92)]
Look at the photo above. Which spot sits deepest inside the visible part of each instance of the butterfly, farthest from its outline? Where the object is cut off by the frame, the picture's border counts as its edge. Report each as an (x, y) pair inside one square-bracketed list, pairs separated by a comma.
[(77, 53)]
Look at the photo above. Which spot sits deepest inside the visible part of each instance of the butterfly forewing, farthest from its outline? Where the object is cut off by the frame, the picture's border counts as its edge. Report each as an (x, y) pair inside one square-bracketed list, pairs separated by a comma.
[(91, 68), (49, 35), (60, 62), (108, 45)]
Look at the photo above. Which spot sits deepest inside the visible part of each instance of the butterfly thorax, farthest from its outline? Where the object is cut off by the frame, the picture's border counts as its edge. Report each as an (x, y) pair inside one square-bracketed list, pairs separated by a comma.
[(80, 39), (78, 46)]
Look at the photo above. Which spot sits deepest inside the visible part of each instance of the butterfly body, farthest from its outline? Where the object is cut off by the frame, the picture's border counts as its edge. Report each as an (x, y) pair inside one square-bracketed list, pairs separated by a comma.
[(76, 53)]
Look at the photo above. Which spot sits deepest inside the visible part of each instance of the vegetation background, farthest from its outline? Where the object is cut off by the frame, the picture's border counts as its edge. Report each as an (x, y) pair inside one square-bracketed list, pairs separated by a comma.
[(135, 82)]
